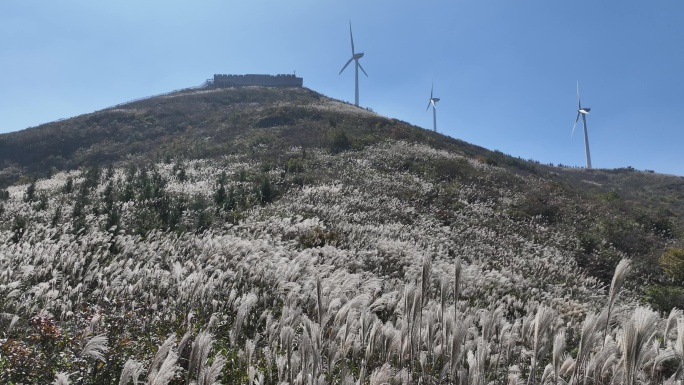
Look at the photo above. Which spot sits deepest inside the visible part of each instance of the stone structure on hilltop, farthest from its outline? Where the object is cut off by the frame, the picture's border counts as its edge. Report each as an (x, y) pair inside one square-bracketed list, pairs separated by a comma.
[(221, 81)]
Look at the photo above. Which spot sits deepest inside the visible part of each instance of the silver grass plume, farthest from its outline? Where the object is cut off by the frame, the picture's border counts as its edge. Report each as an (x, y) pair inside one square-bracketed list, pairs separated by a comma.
[(458, 269), (424, 294), (476, 363), (314, 332), (372, 337), (209, 375), (131, 372), (200, 351), (281, 363), (95, 348), (672, 321), (588, 339), (662, 356), (184, 344), (425, 279), (542, 321), (514, 375), (319, 300), (638, 332), (557, 356), (362, 372), (287, 335), (490, 320), (457, 339), (548, 372), (246, 303), (331, 356), (250, 347), (679, 347), (382, 375), (305, 350), (443, 293), (568, 365), (251, 374), (13, 320), (393, 342), (621, 271), (166, 372), (61, 378), (409, 293), (416, 321), (431, 324), (602, 362), (161, 359)]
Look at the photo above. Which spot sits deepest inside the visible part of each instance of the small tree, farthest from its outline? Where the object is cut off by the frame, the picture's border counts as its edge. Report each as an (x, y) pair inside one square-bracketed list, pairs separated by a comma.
[(69, 185), (672, 262), (30, 192), (220, 195), (339, 141), (266, 192)]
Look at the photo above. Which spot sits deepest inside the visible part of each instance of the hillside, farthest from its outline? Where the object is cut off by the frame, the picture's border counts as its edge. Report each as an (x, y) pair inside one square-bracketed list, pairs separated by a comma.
[(277, 235)]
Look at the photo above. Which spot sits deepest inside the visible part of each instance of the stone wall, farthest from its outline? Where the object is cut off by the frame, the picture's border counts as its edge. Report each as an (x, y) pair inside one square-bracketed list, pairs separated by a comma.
[(257, 80)]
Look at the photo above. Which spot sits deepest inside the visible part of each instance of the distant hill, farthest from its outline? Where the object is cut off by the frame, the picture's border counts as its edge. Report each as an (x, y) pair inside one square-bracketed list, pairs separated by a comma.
[(265, 227)]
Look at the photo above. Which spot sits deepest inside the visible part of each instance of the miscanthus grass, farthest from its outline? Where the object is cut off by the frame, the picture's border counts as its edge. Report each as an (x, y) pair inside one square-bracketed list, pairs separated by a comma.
[(356, 278)]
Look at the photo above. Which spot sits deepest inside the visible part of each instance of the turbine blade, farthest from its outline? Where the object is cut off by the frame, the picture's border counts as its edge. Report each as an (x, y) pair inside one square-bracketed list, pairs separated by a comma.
[(575, 125), (579, 104), (428, 107), (359, 64), (345, 66), (352, 37), (432, 87), (434, 105)]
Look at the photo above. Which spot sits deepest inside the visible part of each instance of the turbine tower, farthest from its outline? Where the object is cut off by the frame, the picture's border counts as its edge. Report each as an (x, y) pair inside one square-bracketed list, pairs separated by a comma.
[(584, 112), (355, 57), (433, 102)]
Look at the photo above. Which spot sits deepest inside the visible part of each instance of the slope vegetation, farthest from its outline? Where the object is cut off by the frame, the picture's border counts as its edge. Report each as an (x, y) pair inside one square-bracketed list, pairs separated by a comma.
[(275, 236)]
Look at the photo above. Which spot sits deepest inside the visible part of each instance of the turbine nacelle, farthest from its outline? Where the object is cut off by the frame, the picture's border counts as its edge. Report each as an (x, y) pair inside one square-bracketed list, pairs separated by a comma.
[(357, 56), (432, 102), (584, 110)]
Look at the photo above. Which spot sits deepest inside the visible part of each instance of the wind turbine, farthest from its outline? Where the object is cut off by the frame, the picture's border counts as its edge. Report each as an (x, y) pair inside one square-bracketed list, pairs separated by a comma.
[(355, 57), (584, 112), (433, 102)]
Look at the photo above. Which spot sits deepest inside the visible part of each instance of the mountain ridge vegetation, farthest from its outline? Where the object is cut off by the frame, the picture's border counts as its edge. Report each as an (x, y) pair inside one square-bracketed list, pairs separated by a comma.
[(276, 235)]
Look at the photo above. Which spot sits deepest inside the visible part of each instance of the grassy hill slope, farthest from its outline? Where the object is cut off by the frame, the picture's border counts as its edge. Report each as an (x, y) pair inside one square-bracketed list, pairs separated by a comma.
[(278, 235)]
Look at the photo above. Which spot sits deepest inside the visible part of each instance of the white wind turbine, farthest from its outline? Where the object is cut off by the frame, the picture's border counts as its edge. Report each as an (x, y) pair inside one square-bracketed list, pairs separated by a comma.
[(355, 57), (584, 112), (433, 102)]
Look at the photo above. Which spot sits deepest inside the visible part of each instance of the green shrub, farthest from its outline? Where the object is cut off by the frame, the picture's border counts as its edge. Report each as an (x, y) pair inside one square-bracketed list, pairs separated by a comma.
[(672, 262), (295, 165), (339, 141), (42, 202), (266, 191), (318, 237), (665, 297), (69, 185), (30, 194), (18, 228), (611, 196)]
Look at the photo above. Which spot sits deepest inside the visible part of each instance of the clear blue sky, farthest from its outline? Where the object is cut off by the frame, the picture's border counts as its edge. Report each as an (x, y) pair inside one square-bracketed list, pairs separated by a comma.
[(505, 70)]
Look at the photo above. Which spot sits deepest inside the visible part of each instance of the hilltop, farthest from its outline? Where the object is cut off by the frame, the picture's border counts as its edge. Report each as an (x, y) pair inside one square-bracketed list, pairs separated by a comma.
[(297, 238)]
